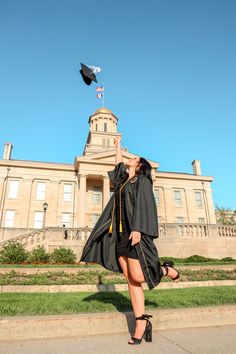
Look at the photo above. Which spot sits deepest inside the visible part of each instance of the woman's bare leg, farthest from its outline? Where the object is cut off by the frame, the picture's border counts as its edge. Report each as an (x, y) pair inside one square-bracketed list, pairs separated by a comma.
[(136, 279), (132, 267)]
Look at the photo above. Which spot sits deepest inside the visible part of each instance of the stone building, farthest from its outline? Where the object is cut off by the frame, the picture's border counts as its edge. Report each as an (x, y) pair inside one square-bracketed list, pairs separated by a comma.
[(75, 194)]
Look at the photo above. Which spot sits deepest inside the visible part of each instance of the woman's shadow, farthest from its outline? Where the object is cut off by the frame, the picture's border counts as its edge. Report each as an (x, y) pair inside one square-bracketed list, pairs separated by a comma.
[(107, 294)]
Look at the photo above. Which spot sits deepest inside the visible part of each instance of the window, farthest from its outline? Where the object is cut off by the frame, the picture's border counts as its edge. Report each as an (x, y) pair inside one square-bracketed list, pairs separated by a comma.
[(97, 195), (67, 192), (201, 220), (66, 219), (198, 199), (105, 127), (13, 189), (41, 188), (38, 219), (9, 218), (180, 220), (156, 195), (95, 218), (177, 195)]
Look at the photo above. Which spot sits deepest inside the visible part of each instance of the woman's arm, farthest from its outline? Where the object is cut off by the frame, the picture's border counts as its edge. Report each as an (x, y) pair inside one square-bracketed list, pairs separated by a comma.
[(119, 157)]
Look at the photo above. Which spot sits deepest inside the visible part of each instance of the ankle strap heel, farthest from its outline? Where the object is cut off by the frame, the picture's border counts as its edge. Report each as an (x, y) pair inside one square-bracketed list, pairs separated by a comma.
[(144, 317), (147, 335), (170, 264)]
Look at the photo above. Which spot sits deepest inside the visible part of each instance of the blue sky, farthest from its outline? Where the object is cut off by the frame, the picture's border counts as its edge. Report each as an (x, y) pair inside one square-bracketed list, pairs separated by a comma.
[(168, 67)]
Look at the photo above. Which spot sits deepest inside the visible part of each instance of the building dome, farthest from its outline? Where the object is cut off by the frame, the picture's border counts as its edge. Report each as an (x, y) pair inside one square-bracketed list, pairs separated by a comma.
[(103, 110)]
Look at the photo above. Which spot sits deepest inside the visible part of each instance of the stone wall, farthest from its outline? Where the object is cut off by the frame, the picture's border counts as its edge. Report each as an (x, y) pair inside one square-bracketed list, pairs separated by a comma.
[(176, 240), (184, 240)]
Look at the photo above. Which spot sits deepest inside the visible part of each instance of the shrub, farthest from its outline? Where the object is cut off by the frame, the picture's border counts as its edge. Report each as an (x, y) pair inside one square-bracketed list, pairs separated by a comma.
[(62, 255), (13, 252), (39, 255), (227, 259), (196, 258), (163, 259)]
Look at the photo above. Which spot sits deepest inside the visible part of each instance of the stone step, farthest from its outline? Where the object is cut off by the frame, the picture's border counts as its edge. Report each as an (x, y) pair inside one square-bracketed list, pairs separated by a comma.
[(80, 269), (109, 287), (79, 325)]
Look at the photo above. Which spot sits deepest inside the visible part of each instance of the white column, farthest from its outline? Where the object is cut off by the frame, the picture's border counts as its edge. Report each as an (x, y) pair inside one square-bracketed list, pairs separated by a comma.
[(106, 191), (82, 200)]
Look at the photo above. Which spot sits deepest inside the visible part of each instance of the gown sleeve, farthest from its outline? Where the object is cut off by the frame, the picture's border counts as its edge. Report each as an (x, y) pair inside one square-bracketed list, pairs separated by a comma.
[(145, 210), (117, 174)]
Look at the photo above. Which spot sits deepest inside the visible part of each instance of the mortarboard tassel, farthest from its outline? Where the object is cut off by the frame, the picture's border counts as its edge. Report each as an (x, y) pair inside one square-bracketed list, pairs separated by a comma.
[(110, 229)]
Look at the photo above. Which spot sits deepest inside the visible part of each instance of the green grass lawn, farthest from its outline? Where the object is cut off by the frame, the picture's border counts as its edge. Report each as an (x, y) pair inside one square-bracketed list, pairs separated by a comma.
[(50, 265), (102, 277), (204, 263), (20, 304), (177, 261)]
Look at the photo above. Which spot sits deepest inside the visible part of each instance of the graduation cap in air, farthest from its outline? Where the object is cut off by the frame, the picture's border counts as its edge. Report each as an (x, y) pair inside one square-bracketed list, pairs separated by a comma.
[(88, 73)]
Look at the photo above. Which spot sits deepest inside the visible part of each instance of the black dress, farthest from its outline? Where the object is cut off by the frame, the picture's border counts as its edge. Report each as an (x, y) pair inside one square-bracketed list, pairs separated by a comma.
[(123, 246)]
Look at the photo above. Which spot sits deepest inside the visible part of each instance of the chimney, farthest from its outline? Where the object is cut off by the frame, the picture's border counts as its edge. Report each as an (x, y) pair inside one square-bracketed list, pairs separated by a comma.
[(196, 167), (7, 151)]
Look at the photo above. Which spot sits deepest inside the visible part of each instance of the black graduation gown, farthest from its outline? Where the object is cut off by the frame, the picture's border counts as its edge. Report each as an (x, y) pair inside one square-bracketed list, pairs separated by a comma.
[(142, 216)]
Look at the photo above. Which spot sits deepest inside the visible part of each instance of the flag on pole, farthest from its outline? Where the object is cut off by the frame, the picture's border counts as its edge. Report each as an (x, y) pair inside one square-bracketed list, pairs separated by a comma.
[(100, 95), (100, 89)]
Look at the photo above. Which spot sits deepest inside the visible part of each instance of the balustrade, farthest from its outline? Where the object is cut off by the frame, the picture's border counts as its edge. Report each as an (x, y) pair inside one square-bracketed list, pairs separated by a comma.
[(192, 230), (81, 234), (227, 230), (38, 237)]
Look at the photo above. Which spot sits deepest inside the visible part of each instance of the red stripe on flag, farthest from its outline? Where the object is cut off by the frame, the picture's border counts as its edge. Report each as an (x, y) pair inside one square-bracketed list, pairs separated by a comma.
[(100, 88)]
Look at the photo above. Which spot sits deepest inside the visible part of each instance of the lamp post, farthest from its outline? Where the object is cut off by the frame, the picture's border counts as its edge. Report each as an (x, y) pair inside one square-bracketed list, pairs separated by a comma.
[(45, 206)]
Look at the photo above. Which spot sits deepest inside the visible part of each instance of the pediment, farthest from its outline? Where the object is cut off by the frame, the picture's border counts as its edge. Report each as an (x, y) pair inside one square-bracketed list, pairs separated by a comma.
[(108, 157)]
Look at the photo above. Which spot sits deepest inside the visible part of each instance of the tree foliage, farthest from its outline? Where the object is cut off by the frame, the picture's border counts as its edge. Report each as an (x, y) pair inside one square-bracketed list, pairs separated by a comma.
[(225, 216)]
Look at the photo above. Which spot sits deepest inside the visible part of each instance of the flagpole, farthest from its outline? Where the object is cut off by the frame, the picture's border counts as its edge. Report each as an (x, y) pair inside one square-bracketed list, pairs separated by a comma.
[(103, 96)]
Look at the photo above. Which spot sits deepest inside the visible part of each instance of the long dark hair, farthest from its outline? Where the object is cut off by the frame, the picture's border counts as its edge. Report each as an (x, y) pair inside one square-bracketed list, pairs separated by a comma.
[(145, 169)]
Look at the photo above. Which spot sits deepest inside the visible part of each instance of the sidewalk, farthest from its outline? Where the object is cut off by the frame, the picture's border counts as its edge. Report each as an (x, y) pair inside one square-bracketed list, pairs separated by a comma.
[(208, 340)]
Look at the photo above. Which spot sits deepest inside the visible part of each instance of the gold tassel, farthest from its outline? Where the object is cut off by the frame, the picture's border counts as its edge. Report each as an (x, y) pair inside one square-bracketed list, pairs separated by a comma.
[(110, 229), (120, 227)]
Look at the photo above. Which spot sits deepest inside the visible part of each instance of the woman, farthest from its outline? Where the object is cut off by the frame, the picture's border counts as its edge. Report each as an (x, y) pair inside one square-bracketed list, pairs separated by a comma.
[(122, 239)]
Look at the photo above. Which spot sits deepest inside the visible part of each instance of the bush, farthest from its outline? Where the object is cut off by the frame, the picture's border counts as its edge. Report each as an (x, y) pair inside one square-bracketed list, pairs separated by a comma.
[(13, 252), (227, 259), (62, 255), (39, 255), (196, 258), (163, 259)]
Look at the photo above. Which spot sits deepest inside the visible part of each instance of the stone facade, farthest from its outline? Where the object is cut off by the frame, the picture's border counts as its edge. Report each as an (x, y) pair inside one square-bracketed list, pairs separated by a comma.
[(77, 193)]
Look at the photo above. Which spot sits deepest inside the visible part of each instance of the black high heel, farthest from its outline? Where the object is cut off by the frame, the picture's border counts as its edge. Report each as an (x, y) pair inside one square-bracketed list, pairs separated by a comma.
[(147, 335), (170, 264)]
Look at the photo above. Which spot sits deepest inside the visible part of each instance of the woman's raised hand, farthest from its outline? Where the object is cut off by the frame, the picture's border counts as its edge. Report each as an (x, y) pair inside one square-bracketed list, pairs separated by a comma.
[(117, 140)]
